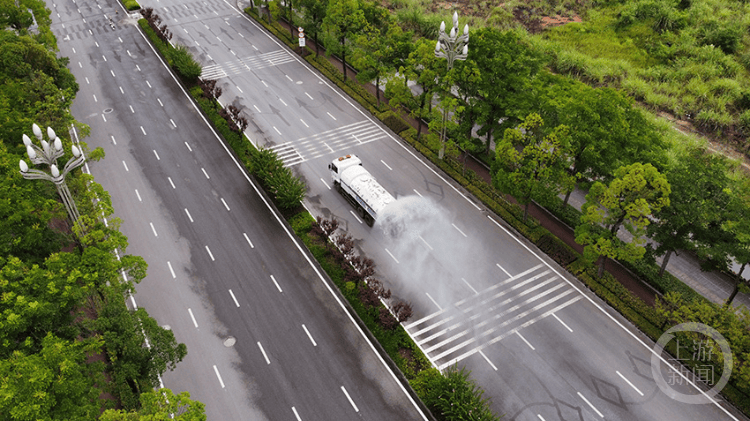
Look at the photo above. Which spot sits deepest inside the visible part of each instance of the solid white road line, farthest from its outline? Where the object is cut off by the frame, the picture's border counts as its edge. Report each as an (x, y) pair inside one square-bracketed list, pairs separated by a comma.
[(628, 382), (216, 370), (524, 339), (355, 216), (263, 351), (153, 229), (433, 301), (488, 360), (276, 283), (562, 323), (289, 234), (350, 399), (188, 215), (503, 269), (234, 298), (468, 285), (192, 317), (139, 196), (589, 404), (225, 203), (309, 335), (459, 230), (248, 241), (171, 270), (390, 254), (425, 242), (211, 255)]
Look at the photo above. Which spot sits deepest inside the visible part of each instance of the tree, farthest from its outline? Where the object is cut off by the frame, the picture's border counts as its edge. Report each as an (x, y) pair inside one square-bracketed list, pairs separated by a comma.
[(54, 383), (530, 164), (426, 70), (343, 20), (506, 65), (607, 132), (736, 229), (314, 13), (631, 197), (160, 405), (464, 77), (377, 50), (697, 203)]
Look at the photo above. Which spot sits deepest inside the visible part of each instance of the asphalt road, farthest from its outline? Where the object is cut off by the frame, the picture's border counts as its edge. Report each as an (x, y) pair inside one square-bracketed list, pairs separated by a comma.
[(540, 346), (266, 337)]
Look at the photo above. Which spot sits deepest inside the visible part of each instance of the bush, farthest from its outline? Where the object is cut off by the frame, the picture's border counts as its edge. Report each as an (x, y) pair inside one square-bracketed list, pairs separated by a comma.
[(184, 63), (131, 5), (452, 396), (393, 121)]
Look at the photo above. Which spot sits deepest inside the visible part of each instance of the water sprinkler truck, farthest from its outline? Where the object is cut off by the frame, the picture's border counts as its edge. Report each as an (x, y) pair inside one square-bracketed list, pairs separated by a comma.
[(359, 187)]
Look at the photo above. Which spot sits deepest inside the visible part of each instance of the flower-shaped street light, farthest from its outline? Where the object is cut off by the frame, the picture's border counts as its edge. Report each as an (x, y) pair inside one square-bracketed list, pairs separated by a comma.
[(452, 47), (48, 154)]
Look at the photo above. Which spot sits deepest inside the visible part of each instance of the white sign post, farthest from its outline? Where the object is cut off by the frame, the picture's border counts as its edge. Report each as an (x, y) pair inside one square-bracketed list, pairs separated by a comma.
[(301, 36)]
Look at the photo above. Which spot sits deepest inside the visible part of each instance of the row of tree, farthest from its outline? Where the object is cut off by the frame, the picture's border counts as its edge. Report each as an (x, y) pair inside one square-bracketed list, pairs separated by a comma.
[(69, 346), (563, 132)]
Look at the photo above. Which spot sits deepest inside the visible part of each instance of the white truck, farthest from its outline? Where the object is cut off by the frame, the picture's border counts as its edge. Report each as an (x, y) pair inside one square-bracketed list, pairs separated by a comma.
[(359, 187)]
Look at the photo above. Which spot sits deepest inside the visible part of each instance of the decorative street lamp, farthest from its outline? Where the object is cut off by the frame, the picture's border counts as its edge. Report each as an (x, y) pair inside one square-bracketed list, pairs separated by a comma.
[(48, 154), (452, 47)]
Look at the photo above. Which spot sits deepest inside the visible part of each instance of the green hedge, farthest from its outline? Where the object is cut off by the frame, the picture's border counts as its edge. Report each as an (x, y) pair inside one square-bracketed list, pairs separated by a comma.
[(393, 341), (131, 5)]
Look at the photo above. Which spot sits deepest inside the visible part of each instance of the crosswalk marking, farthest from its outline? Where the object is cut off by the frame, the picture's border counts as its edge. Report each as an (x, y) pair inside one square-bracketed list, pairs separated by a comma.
[(471, 324), (328, 142), (273, 58)]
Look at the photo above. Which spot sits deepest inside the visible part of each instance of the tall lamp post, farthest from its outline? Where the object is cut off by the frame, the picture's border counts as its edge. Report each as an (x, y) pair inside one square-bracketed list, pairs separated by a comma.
[(452, 47), (48, 154)]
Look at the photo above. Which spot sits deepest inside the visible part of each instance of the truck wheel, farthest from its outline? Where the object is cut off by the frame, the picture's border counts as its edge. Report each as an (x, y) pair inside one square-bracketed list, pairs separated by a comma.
[(361, 212), (368, 220), (337, 186)]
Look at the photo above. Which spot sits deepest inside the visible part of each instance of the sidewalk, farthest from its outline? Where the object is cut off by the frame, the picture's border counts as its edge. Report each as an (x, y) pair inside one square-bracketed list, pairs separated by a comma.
[(716, 287)]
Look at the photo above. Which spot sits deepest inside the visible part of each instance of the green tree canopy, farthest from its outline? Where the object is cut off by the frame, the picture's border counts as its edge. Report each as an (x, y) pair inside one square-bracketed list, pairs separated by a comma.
[(700, 195), (627, 201), (344, 19), (529, 164)]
